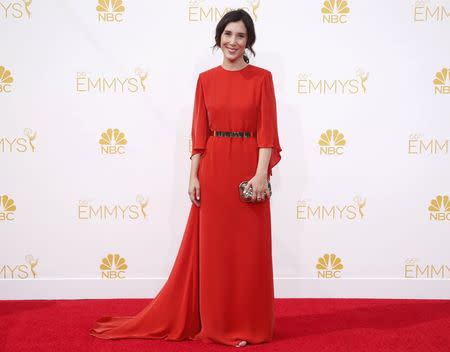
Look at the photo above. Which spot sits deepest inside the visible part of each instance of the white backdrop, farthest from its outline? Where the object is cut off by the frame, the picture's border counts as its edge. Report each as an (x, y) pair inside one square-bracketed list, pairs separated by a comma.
[(362, 212)]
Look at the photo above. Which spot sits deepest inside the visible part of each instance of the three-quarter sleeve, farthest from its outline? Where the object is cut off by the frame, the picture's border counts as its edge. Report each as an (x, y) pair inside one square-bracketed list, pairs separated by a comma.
[(267, 128), (200, 128)]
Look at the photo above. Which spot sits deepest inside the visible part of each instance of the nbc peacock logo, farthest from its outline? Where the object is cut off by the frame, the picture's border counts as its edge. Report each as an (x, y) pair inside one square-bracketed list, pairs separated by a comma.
[(110, 11), (329, 267), (113, 266), (441, 81), (335, 11), (439, 208), (6, 80), (198, 12), (331, 142), (7, 208), (15, 10), (112, 141)]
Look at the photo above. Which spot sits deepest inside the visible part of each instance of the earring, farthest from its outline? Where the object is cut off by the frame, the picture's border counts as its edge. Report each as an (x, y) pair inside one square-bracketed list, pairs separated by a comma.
[(246, 59)]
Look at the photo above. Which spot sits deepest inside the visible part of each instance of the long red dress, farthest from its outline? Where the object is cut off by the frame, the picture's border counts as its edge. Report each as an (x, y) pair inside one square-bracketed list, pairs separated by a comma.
[(220, 288)]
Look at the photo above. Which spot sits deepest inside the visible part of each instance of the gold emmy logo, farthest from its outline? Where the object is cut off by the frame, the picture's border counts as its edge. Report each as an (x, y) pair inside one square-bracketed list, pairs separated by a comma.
[(413, 270), (131, 84), (132, 212), (7, 208), (335, 11), (306, 211), (439, 208), (113, 267), (15, 9), (442, 81), (254, 6), (110, 10), (329, 266), (306, 85), (113, 142), (142, 75), (198, 12), (20, 271), (423, 12), (332, 143), (5, 80), (419, 145), (19, 144), (143, 202)]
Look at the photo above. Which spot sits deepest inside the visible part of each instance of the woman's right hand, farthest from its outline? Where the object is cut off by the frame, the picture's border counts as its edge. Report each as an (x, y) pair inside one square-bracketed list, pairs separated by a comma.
[(194, 190)]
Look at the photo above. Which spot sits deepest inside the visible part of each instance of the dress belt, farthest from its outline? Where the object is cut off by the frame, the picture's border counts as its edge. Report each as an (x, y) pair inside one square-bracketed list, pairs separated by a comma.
[(233, 134)]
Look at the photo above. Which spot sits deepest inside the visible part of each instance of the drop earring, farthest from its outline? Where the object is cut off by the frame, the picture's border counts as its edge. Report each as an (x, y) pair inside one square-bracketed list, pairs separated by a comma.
[(246, 59)]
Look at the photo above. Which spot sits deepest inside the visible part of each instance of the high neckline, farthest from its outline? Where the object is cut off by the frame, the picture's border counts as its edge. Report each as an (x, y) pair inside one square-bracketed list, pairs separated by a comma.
[(242, 69)]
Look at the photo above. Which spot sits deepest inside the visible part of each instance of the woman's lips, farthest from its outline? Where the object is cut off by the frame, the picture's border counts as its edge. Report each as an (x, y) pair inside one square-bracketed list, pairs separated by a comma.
[(231, 51)]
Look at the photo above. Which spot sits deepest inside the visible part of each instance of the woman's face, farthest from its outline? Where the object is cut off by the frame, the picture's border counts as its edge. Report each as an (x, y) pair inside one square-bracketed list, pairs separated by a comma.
[(233, 40)]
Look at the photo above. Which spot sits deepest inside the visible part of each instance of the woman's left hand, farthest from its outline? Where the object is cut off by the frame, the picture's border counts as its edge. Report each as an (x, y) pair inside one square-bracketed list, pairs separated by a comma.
[(259, 184)]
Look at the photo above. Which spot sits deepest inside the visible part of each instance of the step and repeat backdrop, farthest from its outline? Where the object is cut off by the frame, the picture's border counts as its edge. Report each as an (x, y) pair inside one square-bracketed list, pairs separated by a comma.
[(96, 102)]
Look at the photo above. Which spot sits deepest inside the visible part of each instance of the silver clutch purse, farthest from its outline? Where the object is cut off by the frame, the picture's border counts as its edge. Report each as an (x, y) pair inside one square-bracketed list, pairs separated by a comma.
[(247, 196)]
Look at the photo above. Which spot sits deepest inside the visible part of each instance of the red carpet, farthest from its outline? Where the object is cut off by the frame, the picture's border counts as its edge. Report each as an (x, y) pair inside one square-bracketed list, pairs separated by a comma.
[(302, 325)]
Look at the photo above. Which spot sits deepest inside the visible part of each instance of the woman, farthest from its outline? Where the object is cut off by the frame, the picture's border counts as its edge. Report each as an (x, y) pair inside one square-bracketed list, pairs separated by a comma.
[(220, 289)]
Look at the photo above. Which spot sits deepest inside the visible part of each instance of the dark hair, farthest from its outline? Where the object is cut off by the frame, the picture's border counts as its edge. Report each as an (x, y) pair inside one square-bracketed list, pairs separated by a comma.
[(235, 16)]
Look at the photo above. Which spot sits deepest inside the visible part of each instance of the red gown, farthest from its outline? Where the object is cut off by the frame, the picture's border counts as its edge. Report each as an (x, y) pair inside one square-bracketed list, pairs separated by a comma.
[(220, 288)]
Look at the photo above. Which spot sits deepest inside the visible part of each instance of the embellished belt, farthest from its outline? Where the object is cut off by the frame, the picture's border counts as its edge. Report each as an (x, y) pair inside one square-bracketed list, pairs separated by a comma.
[(233, 134)]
